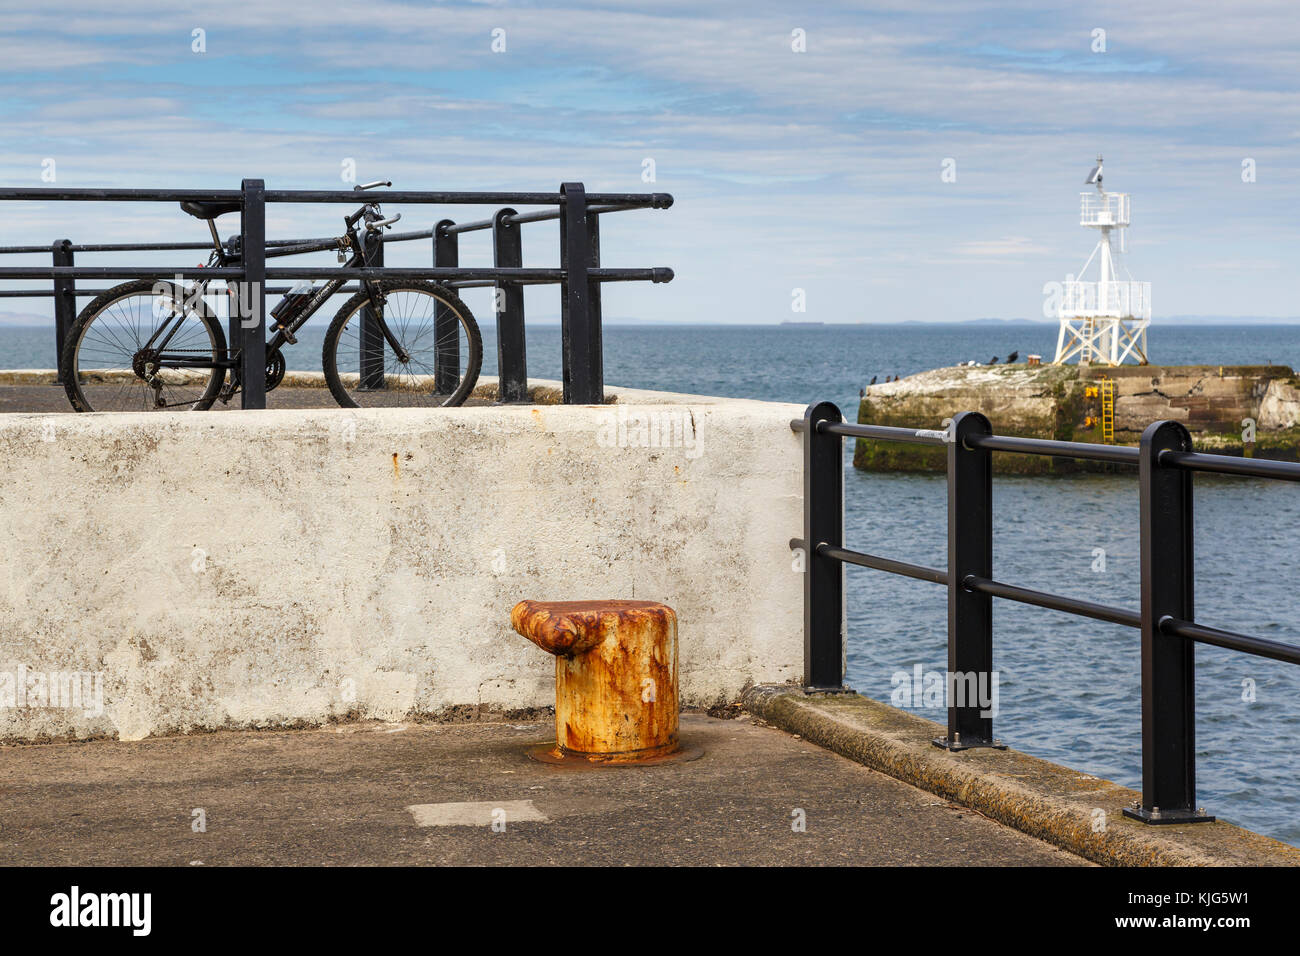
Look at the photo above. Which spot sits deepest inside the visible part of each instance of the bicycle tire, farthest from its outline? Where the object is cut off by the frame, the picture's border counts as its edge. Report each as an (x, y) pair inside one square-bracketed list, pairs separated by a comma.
[(329, 352), (69, 364)]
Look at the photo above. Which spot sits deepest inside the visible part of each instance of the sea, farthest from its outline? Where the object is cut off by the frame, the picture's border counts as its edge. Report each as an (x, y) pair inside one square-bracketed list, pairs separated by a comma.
[(1069, 688)]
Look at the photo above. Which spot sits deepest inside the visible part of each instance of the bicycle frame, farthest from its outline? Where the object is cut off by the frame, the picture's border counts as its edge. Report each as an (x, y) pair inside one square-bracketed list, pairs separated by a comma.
[(282, 335)]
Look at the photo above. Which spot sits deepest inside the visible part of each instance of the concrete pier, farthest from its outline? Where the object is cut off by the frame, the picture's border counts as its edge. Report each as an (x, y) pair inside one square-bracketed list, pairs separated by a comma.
[(258, 638), (448, 794)]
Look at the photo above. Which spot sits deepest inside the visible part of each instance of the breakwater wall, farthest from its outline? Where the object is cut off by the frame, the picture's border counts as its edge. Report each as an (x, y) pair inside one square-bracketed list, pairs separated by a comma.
[(1222, 406)]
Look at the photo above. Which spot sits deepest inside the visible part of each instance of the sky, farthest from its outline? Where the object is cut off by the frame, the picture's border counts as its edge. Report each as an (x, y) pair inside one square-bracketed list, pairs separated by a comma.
[(891, 161)]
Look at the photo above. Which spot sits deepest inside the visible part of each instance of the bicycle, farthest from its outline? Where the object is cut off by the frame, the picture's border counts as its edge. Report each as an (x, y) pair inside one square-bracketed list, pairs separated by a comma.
[(156, 344)]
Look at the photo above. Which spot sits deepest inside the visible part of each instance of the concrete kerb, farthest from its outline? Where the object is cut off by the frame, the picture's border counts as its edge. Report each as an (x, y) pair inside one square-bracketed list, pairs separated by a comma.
[(1075, 811), (541, 391)]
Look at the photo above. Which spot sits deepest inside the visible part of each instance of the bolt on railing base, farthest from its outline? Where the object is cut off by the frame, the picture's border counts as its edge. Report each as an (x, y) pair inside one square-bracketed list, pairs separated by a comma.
[(1156, 817), (957, 744)]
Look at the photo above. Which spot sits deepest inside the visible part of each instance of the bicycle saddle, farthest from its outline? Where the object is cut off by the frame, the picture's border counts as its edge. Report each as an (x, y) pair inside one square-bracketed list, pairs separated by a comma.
[(210, 210)]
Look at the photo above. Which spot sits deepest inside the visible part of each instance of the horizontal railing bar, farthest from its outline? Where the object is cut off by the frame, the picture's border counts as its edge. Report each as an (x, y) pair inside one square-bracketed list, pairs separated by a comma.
[(919, 436), (121, 195), (1120, 454), (47, 194), (1257, 646), (456, 228), (306, 245), (282, 289), (654, 274), (520, 219), (113, 247), (1054, 602), (117, 272), (488, 276), (489, 283), (327, 243), (459, 272), (630, 200), (91, 293), (428, 272), (920, 572), (1231, 465), (1123, 454), (405, 236)]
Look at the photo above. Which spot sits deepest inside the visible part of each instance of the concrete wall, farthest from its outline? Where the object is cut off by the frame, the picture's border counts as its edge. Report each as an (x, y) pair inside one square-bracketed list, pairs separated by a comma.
[(220, 570)]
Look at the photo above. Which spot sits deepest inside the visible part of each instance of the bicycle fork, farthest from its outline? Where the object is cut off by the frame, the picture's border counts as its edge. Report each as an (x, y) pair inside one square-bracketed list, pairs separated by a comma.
[(377, 302)]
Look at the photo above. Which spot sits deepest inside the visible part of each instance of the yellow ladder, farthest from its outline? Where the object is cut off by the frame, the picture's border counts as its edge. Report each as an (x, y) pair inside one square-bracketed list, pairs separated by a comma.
[(1108, 411)]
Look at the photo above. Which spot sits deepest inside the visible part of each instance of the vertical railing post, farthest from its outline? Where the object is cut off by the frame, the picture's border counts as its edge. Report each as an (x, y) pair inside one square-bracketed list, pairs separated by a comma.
[(580, 324), (252, 297), (65, 303), (370, 336), (970, 686), (823, 524), (597, 342), (446, 328), (1168, 666), (512, 351)]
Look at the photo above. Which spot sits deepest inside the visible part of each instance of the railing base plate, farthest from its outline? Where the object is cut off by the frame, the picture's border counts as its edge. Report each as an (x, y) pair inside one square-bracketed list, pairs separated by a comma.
[(1158, 817)]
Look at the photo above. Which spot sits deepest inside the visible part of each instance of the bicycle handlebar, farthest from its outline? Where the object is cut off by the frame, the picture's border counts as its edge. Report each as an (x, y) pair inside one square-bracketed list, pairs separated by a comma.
[(377, 182)]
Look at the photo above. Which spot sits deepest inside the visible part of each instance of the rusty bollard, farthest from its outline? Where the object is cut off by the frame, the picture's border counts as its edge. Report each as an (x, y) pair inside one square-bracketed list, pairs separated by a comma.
[(615, 677)]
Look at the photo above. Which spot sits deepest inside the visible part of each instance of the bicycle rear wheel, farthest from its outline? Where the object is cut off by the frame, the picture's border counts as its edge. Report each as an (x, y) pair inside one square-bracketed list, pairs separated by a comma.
[(110, 365), (441, 349)]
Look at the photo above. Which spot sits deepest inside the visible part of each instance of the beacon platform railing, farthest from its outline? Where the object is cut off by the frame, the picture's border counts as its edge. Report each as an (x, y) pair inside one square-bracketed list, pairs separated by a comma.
[(580, 274), (1169, 632), (1108, 209), (1113, 299)]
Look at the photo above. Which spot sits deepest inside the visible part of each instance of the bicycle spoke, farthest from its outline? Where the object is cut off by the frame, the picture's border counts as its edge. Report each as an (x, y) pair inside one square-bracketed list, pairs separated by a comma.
[(412, 318), (113, 369)]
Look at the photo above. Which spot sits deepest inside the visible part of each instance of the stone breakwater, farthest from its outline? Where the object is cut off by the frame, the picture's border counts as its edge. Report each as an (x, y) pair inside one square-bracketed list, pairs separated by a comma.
[(1224, 407)]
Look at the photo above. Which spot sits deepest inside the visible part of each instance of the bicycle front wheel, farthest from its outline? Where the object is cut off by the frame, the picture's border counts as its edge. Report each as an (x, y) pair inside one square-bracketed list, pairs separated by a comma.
[(430, 356)]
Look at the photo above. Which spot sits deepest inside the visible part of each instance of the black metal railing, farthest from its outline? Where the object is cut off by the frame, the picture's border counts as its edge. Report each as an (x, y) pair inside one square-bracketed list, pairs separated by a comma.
[(1165, 464), (580, 274)]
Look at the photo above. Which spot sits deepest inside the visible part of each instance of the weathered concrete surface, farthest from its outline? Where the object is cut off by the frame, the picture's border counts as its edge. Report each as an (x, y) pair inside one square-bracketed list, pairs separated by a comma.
[(1045, 800), (1052, 401), (358, 794), (294, 567)]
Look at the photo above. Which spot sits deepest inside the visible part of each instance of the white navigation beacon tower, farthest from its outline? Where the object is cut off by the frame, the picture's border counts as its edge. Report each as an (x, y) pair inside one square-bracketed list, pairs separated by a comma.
[(1104, 321)]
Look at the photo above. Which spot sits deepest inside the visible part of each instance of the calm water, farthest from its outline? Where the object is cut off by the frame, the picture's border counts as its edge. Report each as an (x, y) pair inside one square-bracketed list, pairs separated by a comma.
[(1069, 687)]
